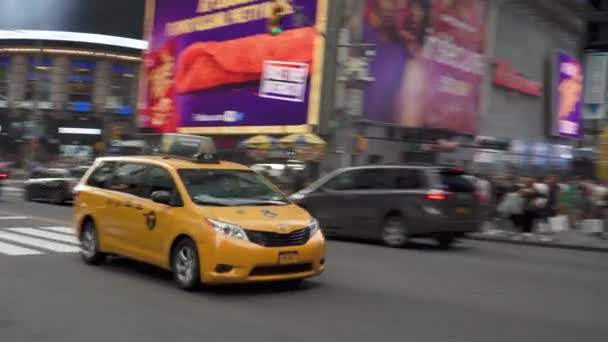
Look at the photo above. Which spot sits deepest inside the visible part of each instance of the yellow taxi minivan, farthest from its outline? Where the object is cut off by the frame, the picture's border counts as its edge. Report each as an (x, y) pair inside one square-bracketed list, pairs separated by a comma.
[(208, 221)]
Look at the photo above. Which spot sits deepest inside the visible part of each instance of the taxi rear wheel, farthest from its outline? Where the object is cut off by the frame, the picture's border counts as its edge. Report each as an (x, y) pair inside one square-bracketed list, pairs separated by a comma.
[(185, 265), (89, 244)]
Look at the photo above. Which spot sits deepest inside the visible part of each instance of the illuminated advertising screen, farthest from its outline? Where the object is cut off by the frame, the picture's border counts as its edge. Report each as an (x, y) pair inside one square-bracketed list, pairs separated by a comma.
[(214, 67), (567, 106), (428, 66)]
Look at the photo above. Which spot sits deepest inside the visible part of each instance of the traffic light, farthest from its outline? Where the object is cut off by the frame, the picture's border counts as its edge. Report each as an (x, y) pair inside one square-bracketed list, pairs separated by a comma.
[(276, 20)]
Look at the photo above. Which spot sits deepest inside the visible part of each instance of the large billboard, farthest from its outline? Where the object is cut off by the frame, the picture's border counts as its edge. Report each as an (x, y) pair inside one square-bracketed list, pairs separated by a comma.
[(213, 68), (567, 106), (428, 65)]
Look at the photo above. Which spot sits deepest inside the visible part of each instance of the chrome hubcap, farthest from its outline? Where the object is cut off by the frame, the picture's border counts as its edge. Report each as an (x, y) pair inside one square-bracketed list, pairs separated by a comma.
[(88, 243), (184, 264), (393, 233)]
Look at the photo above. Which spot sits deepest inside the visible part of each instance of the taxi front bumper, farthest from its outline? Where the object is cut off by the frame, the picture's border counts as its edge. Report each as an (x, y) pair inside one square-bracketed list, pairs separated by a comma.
[(238, 261)]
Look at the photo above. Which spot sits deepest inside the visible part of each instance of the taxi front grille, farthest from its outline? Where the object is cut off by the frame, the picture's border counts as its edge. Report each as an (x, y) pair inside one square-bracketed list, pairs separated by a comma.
[(280, 269), (268, 239)]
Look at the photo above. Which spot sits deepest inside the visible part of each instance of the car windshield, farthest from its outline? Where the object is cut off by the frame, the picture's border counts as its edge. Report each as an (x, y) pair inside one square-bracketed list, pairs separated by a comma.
[(230, 188)]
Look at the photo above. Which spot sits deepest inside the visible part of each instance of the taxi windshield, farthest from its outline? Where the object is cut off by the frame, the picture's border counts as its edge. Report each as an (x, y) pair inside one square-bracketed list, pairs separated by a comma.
[(230, 188)]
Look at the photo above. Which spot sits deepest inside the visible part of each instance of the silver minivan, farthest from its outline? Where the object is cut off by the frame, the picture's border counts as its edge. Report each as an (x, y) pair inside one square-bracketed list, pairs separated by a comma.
[(394, 203)]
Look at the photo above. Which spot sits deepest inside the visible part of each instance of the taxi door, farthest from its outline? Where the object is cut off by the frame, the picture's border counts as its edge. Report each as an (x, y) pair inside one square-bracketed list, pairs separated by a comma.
[(124, 207), (154, 229)]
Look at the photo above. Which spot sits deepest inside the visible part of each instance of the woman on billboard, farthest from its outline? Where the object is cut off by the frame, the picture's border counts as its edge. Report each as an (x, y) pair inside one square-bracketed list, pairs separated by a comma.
[(398, 30)]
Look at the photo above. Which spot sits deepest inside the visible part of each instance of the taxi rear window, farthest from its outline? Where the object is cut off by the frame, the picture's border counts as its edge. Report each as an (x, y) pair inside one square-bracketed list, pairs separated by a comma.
[(230, 188)]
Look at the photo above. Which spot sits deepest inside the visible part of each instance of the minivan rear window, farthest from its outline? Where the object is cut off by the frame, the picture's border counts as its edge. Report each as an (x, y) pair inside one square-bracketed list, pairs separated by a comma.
[(456, 181)]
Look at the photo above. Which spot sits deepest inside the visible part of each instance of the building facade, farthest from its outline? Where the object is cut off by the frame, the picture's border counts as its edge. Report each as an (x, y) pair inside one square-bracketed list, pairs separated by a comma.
[(498, 118), (68, 76), (65, 99)]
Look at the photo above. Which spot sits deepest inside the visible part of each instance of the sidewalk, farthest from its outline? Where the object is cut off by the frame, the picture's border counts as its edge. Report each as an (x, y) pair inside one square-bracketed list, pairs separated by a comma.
[(570, 239)]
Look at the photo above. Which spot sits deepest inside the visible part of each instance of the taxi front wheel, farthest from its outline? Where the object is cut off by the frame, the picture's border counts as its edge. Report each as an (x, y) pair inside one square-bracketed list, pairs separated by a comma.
[(89, 244), (185, 264)]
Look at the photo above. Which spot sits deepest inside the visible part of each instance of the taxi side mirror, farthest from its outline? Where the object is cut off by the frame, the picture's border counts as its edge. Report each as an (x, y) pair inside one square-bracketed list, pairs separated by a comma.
[(162, 197)]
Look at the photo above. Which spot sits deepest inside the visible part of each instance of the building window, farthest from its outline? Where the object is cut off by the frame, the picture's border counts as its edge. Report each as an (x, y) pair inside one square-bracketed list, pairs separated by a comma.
[(38, 85), (122, 85), (5, 63), (81, 81)]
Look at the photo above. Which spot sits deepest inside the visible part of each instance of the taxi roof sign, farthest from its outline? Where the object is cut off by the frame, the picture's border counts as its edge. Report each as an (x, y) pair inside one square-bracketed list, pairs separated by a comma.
[(191, 147)]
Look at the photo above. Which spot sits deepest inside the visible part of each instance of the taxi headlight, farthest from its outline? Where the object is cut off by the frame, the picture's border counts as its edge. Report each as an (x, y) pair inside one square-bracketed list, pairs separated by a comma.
[(313, 225), (228, 229)]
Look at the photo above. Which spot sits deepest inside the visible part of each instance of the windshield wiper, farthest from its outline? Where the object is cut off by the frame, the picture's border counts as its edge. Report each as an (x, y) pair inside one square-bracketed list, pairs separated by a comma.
[(261, 203), (209, 203)]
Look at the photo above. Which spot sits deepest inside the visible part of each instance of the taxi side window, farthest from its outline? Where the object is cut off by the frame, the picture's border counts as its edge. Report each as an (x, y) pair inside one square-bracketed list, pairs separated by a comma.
[(101, 176), (128, 178), (159, 179)]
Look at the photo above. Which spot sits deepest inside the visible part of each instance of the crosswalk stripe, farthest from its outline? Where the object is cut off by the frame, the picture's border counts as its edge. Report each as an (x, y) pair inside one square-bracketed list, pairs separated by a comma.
[(39, 243), (45, 234), (8, 249), (64, 230), (13, 217)]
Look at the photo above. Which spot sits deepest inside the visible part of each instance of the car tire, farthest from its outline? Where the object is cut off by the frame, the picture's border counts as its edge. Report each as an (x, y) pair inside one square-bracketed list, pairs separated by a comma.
[(394, 233), (89, 244), (445, 242), (185, 264)]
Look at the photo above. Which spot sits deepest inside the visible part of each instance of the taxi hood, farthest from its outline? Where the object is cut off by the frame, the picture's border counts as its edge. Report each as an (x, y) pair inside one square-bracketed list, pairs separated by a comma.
[(272, 218)]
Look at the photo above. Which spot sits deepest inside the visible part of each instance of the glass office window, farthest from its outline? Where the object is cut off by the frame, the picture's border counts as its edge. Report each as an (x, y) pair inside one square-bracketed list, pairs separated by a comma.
[(38, 83), (81, 81)]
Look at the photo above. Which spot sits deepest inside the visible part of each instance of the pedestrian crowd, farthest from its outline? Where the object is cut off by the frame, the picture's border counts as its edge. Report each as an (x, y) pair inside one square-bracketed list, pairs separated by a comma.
[(544, 205)]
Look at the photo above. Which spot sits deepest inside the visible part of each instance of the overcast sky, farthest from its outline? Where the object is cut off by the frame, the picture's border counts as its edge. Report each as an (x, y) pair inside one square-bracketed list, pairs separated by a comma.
[(114, 17)]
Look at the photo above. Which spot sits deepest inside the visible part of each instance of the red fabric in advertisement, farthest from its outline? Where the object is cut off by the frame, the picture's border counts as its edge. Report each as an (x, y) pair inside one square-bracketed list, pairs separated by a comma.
[(207, 65), (160, 113)]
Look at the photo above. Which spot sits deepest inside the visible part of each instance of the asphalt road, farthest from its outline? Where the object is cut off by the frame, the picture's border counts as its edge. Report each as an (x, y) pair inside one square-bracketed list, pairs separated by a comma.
[(475, 292)]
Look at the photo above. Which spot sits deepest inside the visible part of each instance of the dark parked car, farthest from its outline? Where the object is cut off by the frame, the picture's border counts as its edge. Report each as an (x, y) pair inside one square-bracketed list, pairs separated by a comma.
[(54, 185), (394, 203)]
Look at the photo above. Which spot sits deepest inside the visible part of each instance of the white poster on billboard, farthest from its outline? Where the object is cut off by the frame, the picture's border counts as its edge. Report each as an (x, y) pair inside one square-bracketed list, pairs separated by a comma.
[(284, 81), (596, 71)]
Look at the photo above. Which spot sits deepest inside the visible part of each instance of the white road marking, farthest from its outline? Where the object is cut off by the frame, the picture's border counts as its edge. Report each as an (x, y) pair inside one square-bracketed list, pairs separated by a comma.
[(8, 249), (39, 243), (64, 230), (13, 217), (47, 235)]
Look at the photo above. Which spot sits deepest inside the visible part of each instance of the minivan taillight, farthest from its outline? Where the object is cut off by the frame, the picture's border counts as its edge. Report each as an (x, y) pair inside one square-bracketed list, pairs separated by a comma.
[(435, 195), (3, 175)]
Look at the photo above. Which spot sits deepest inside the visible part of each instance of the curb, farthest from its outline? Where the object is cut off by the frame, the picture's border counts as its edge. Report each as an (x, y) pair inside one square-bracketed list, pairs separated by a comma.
[(555, 245)]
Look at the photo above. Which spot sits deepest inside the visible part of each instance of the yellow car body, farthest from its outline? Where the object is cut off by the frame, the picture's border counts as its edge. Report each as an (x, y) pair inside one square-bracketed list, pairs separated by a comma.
[(129, 223)]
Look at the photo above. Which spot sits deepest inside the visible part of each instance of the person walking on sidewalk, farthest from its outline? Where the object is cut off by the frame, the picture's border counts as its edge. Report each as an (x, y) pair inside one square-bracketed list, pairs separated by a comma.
[(553, 204), (511, 206)]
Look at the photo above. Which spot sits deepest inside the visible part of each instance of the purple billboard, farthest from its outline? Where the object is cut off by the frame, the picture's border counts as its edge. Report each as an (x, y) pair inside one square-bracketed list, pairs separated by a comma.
[(567, 113), (428, 65), (213, 67)]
